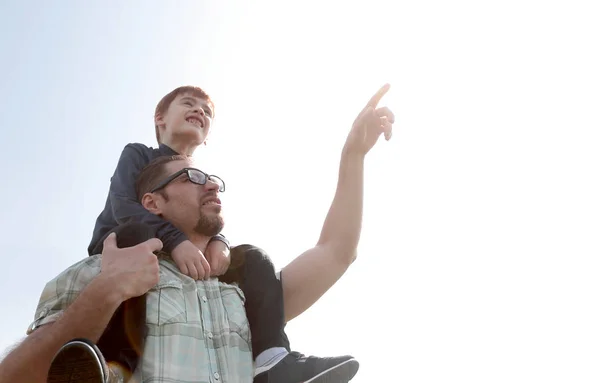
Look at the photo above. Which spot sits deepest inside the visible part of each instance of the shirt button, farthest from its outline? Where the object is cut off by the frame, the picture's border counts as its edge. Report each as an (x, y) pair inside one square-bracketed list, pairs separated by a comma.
[(210, 335), (217, 376), (204, 298)]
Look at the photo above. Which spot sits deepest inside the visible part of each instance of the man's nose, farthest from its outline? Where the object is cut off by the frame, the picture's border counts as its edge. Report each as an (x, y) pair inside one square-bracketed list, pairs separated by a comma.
[(211, 186), (198, 110)]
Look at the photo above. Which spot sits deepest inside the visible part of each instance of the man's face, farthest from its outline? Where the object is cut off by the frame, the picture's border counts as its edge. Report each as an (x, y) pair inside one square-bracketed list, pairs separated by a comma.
[(187, 118), (190, 207)]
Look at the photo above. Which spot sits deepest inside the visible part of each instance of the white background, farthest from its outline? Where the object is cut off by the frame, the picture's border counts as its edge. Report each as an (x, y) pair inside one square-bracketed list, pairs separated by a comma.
[(479, 255)]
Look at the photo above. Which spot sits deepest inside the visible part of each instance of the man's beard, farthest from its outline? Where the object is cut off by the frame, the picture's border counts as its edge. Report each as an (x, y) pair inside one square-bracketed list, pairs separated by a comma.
[(209, 226)]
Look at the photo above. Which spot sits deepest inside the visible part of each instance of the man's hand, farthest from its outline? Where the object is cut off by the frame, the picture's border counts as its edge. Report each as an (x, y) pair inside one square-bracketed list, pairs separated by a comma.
[(369, 125), (190, 260), (133, 270), (217, 254), (125, 273)]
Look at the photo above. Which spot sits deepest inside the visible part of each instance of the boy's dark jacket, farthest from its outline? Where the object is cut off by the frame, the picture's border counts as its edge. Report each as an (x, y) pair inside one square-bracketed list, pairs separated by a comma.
[(122, 205)]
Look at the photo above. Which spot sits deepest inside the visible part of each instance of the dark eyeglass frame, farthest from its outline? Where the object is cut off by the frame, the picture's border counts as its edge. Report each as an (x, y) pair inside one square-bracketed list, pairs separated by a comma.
[(186, 171)]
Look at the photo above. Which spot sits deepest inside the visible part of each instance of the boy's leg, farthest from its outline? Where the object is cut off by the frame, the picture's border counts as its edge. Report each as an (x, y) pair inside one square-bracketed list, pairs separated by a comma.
[(255, 274), (123, 340)]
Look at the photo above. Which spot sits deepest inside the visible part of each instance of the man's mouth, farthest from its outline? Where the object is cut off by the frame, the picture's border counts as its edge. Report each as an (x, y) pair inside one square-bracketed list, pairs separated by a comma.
[(212, 201)]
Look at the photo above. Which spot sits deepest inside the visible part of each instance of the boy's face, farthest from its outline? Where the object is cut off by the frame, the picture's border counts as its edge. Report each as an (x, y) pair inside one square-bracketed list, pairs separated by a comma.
[(187, 119)]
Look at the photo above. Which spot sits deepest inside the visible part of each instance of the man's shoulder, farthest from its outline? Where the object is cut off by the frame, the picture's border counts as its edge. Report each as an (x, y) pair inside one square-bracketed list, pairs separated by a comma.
[(75, 276), (63, 289)]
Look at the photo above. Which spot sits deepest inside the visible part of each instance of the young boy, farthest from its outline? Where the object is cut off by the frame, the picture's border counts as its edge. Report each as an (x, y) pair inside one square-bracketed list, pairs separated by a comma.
[(182, 120)]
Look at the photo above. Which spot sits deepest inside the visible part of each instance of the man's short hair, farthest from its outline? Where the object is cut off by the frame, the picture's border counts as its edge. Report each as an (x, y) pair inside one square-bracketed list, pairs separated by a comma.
[(165, 102), (153, 173)]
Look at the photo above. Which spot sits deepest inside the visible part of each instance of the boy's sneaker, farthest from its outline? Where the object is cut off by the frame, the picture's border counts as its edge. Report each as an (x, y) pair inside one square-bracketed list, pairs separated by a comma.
[(80, 361), (297, 368)]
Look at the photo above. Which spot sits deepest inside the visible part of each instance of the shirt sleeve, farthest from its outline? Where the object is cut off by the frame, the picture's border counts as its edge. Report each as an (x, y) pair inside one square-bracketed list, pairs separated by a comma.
[(124, 202), (61, 292)]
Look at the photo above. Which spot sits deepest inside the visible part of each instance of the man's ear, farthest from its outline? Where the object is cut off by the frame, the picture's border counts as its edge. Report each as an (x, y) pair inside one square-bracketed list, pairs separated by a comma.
[(150, 202)]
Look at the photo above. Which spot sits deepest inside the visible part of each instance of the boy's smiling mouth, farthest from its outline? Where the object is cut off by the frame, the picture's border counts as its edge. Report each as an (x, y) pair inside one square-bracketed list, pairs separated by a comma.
[(195, 121)]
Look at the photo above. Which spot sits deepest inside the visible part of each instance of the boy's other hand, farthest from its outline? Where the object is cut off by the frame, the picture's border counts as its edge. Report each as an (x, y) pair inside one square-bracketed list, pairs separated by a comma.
[(191, 261), (217, 254)]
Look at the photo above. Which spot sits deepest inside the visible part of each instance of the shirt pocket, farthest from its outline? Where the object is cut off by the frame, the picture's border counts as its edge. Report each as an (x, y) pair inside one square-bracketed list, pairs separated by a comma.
[(166, 303), (233, 302)]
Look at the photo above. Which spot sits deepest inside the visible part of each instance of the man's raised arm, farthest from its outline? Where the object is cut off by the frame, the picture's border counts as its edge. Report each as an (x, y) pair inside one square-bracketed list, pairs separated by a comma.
[(125, 273), (310, 275)]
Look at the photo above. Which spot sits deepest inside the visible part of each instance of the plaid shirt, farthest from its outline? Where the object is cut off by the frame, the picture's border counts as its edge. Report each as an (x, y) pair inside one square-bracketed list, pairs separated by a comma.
[(197, 330)]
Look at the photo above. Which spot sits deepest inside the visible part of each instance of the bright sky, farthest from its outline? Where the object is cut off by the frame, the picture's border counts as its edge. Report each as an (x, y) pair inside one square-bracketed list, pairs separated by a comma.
[(479, 257)]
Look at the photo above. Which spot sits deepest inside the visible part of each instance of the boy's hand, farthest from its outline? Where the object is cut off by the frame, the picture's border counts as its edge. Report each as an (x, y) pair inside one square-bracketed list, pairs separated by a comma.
[(133, 270), (190, 260), (217, 254)]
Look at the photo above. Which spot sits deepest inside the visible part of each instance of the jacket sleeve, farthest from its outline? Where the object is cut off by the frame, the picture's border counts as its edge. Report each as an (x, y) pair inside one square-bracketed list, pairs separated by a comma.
[(124, 202), (221, 237)]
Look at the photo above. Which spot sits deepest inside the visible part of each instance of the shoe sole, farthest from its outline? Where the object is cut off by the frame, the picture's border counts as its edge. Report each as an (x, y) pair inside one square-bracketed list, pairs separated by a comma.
[(76, 362), (340, 373)]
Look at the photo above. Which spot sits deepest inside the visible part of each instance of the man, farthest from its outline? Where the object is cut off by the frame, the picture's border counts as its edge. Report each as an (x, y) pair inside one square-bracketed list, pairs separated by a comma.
[(182, 122), (197, 330)]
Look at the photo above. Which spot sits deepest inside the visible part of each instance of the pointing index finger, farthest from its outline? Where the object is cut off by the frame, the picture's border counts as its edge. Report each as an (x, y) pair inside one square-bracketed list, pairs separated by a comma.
[(378, 96)]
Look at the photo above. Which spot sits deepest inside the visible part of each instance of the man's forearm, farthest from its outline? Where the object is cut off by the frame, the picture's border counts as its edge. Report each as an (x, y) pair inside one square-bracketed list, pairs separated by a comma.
[(87, 317), (342, 226), (312, 273)]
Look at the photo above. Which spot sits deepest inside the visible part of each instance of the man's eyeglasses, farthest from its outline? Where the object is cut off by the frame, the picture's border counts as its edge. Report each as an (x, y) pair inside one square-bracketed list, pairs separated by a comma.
[(194, 175)]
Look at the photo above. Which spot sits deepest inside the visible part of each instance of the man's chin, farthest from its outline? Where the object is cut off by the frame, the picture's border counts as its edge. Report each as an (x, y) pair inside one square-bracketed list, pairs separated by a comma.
[(212, 209), (210, 226)]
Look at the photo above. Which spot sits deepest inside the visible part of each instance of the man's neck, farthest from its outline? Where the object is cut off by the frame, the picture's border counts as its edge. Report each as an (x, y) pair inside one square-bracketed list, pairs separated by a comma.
[(186, 149), (200, 241)]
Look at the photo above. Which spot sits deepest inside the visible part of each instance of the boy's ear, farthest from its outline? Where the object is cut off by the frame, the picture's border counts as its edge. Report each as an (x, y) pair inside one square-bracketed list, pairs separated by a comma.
[(206, 138), (159, 120), (150, 202)]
